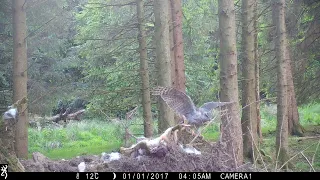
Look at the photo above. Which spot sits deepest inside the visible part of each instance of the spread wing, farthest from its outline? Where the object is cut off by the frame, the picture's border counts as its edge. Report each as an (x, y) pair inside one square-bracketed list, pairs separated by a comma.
[(211, 105), (175, 99)]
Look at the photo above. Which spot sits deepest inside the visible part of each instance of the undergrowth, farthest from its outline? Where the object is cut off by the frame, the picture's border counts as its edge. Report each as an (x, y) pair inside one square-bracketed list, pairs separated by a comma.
[(96, 136)]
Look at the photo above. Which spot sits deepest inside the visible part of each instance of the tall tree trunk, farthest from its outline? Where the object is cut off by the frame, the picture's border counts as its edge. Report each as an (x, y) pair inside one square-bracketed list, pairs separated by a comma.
[(282, 92), (20, 75), (231, 133), (177, 58), (144, 72), (180, 79), (173, 64), (257, 70), (172, 55), (249, 111), (294, 126), (166, 116)]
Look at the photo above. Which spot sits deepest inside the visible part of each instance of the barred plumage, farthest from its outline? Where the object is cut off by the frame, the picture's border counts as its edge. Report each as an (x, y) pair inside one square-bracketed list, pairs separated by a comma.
[(183, 105)]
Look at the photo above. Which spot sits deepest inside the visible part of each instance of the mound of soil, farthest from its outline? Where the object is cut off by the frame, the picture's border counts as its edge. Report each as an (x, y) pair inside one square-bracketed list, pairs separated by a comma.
[(173, 159)]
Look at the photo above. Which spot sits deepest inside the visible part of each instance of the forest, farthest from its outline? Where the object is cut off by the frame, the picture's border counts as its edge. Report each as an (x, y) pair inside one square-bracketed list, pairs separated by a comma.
[(160, 85)]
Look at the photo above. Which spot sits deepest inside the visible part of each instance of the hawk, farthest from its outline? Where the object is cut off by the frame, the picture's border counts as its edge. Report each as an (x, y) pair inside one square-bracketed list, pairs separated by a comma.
[(183, 105)]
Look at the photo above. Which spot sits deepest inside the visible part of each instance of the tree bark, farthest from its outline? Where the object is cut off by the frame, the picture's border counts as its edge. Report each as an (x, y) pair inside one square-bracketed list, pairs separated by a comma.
[(231, 133), (294, 126), (172, 54), (282, 82), (173, 62), (257, 70), (166, 116), (176, 39), (20, 75), (144, 72), (180, 79), (249, 111), (7, 149)]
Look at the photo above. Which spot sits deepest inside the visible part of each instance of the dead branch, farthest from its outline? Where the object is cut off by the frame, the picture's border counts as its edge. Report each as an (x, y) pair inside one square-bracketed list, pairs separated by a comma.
[(67, 116), (308, 137), (315, 152), (295, 156), (308, 161), (76, 115), (101, 5), (150, 145)]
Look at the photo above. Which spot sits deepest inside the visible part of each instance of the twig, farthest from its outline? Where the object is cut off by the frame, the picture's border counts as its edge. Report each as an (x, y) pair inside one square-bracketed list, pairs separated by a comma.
[(234, 156), (258, 150), (108, 5), (308, 161), (315, 152), (202, 130), (280, 137), (130, 114), (296, 155), (308, 137), (264, 99)]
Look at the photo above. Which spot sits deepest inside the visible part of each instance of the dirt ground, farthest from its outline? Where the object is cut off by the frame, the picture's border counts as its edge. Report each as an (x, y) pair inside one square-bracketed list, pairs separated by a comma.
[(169, 159)]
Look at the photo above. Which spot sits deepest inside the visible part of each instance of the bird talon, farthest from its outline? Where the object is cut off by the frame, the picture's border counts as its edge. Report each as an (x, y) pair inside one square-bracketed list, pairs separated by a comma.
[(193, 133)]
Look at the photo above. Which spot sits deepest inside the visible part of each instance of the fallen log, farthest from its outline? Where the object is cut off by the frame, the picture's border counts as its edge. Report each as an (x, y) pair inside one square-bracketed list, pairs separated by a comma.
[(76, 115), (67, 116)]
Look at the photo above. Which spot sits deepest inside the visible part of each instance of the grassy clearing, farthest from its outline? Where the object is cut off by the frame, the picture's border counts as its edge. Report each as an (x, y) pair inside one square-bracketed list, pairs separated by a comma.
[(77, 138), (80, 138), (309, 116), (95, 137), (310, 119), (300, 163)]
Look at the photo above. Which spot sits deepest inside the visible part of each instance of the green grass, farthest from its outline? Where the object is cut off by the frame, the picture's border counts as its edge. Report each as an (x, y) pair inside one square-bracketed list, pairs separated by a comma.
[(77, 138), (307, 146), (310, 119), (268, 118), (80, 138), (310, 114), (94, 137), (212, 132), (65, 153)]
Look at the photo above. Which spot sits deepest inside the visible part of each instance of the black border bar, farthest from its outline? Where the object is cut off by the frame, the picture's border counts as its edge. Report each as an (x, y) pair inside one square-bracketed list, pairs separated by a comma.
[(159, 175)]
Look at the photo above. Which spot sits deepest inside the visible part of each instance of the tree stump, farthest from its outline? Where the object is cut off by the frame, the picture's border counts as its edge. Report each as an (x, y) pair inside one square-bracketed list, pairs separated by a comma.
[(7, 151)]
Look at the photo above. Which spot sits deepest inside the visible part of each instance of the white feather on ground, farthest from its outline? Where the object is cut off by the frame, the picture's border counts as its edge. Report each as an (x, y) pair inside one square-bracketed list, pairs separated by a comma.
[(110, 157), (82, 167), (190, 149)]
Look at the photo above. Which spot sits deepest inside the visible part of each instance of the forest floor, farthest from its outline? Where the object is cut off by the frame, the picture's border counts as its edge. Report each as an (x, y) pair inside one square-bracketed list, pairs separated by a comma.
[(65, 147), (173, 159), (302, 150)]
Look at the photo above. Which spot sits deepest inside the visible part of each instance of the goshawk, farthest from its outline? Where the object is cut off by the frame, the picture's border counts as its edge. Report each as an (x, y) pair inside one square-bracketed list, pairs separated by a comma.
[(183, 105)]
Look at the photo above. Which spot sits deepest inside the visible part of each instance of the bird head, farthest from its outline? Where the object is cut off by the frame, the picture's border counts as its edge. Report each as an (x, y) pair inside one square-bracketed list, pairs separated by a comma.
[(200, 116), (205, 113)]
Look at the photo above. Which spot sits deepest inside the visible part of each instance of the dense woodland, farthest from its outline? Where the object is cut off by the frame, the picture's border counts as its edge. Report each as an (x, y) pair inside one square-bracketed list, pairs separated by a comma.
[(105, 56)]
